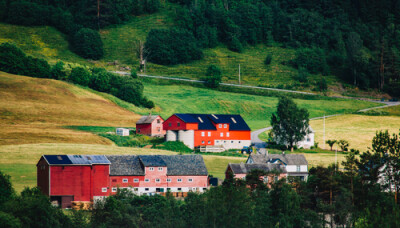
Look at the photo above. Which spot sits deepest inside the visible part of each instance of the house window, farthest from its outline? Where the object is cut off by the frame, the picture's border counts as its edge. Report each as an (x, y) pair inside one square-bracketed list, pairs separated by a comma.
[(209, 133), (220, 125), (225, 125), (308, 139), (136, 180), (158, 121), (138, 130), (202, 142), (194, 189), (168, 180), (146, 180), (227, 134), (298, 168), (179, 189), (179, 124), (114, 189), (179, 180), (239, 141), (169, 124), (157, 180), (146, 189), (160, 168), (158, 129), (217, 141), (209, 142), (103, 189), (204, 189), (202, 133), (114, 180), (190, 180), (151, 168), (168, 189), (231, 141), (125, 180), (221, 134)]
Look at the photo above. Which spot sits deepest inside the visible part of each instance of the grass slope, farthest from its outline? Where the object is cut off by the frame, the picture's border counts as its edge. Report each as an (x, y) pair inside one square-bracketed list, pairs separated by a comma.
[(35, 110), (19, 160), (256, 110)]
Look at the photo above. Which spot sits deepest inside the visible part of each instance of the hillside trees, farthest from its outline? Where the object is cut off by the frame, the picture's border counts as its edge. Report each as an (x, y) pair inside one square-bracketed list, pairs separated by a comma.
[(289, 123), (87, 43), (213, 76)]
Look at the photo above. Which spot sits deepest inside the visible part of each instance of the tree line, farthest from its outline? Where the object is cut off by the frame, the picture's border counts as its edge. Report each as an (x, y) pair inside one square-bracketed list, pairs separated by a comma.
[(362, 194), (14, 60)]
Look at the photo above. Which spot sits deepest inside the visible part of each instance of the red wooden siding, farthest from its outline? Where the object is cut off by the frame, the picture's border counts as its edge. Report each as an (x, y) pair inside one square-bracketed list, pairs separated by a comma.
[(43, 171)]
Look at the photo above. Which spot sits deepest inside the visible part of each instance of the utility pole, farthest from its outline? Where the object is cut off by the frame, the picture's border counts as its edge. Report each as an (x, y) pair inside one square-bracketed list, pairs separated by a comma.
[(239, 74)]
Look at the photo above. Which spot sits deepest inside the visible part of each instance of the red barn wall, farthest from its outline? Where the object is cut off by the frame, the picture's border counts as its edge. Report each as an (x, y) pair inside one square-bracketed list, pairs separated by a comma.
[(42, 173), (174, 120), (145, 129), (100, 179)]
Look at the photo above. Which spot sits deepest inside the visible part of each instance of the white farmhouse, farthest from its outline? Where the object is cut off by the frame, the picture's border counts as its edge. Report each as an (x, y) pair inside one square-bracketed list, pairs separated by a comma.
[(306, 143)]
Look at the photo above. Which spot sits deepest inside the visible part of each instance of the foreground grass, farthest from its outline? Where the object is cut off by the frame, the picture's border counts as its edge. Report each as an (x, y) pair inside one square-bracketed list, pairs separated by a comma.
[(19, 161), (34, 110), (357, 129), (256, 110)]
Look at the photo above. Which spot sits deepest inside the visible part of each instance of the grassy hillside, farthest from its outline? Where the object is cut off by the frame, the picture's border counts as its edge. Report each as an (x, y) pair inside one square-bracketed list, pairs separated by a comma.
[(35, 110)]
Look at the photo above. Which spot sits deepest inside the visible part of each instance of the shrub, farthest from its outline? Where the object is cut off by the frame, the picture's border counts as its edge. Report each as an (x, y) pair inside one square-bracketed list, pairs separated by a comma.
[(131, 92), (235, 45), (343, 144), (322, 85), (100, 80), (38, 68), (213, 76), (80, 76), (87, 43), (268, 59), (12, 59), (58, 72), (177, 146), (302, 75), (134, 74)]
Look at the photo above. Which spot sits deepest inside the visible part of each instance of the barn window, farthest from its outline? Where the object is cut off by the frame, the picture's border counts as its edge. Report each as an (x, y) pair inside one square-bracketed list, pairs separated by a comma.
[(160, 168), (138, 130), (114, 180), (221, 134), (179, 189), (202, 142), (225, 125), (125, 180), (170, 124), (114, 189), (151, 168), (135, 189), (158, 121), (209, 133), (168, 180), (103, 189), (190, 180), (136, 180), (239, 141), (179, 124), (168, 189), (146, 180), (204, 189), (220, 125), (227, 134), (203, 133), (209, 142), (157, 180), (146, 189), (179, 180)]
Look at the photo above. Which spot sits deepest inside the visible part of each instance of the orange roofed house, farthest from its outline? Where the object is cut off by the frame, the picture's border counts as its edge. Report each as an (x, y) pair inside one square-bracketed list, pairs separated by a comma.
[(196, 130), (151, 125)]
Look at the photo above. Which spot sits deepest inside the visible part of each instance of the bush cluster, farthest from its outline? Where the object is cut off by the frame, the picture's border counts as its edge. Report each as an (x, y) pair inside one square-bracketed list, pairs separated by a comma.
[(14, 60)]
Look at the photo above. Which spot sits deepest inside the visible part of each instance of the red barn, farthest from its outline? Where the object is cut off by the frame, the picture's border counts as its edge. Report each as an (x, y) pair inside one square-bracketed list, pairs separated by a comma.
[(86, 178), (195, 130), (151, 125)]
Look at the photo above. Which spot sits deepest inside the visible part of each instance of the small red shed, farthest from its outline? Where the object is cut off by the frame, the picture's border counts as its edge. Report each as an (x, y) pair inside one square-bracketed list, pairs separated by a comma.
[(151, 125)]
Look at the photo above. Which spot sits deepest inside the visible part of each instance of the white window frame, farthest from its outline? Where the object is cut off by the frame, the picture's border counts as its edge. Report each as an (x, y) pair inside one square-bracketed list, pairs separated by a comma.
[(125, 180), (227, 134), (169, 180), (203, 134), (146, 180), (151, 168), (221, 134), (135, 180), (209, 133), (103, 189), (179, 180), (114, 189), (209, 142), (225, 125), (220, 125), (190, 180), (158, 180), (297, 168), (202, 142), (160, 168)]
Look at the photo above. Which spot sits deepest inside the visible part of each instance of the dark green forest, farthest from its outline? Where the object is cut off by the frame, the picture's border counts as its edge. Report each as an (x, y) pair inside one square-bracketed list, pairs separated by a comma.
[(362, 192), (358, 41)]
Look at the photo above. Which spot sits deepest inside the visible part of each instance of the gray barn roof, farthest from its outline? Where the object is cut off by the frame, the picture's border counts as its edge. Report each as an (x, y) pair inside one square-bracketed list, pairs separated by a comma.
[(133, 165), (289, 159), (246, 168), (147, 119), (76, 159)]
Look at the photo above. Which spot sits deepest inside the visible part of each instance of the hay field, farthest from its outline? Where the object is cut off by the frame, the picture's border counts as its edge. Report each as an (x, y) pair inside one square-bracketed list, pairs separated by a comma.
[(357, 129), (19, 161), (34, 110)]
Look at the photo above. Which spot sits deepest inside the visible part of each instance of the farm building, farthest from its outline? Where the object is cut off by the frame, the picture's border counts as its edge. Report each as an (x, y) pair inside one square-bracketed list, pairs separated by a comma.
[(69, 179), (200, 130), (122, 131), (296, 164), (276, 171), (306, 143), (151, 125)]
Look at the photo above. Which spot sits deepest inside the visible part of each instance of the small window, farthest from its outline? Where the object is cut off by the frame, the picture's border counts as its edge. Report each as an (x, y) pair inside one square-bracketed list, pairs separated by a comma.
[(114, 189), (220, 125), (158, 180), (308, 139), (114, 180), (190, 180), (231, 141), (103, 189), (217, 141), (169, 124), (194, 189), (179, 189), (203, 133), (298, 168), (151, 168), (179, 124), (239, 141), (276, 178), (209, 142), (138, 130), (209, 133), (125, 180), (221, 134), (168, 189), (227, 134), (146, 189), (225, 125), (146, 180), (204, 189), (179, 180), (168, 180), (160, 168), (158, 121), (202, 142), (135, 180)]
